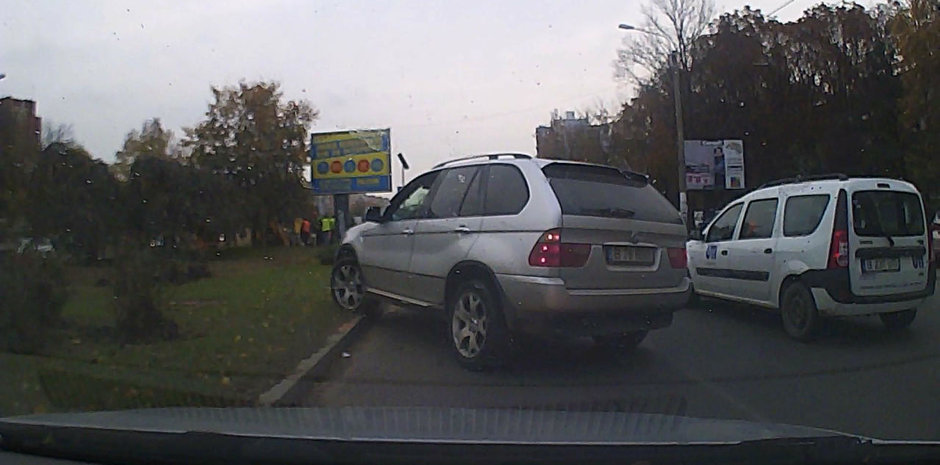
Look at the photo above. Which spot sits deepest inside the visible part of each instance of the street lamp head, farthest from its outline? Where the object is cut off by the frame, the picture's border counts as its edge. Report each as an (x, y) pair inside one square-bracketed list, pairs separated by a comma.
[(626, 27)]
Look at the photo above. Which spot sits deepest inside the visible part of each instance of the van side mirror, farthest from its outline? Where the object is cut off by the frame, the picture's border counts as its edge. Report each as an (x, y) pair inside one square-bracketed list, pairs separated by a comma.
[(696, 235), (374, 214)]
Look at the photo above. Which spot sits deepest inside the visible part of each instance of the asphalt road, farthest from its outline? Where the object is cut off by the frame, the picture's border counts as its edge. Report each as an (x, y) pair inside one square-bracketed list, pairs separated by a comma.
[(724, 361)]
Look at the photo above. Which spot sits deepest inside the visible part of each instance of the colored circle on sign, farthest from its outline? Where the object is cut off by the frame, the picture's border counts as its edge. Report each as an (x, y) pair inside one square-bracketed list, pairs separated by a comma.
[(377, 164), (336, 166), (323, 167), (349, 166), (363, 166)]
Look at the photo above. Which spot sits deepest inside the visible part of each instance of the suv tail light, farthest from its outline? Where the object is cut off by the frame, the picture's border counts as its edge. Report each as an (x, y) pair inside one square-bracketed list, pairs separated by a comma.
[(551, 252), (677, 258), (839, 249)]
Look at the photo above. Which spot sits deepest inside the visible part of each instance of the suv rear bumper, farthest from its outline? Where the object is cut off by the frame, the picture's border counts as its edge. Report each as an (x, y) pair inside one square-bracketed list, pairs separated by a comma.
[(539, 304)]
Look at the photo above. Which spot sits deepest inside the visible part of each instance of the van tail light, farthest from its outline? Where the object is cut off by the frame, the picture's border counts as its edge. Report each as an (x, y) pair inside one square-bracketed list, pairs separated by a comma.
[(677, 258), (839, 249), (839, 243), (551, 252)]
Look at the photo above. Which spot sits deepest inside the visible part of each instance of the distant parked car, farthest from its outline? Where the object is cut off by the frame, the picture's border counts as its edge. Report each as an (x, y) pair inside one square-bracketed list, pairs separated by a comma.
[(819, 248), (42, 245), (508, 243), (935, 236)]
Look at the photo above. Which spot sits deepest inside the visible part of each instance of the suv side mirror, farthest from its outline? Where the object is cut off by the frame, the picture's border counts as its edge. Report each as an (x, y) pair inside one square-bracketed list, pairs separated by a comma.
[(374, 214)]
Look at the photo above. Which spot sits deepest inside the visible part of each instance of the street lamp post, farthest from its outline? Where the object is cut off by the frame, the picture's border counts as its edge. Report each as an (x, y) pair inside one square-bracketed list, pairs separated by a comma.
[(680, 132)]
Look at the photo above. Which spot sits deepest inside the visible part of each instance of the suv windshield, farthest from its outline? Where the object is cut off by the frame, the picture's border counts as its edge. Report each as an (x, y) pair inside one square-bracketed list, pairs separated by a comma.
[(881, 213), (588, 190)]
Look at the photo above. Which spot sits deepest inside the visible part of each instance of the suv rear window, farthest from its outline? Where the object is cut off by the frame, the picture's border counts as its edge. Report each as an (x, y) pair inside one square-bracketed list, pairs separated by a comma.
[(601, 191), (887, 213)]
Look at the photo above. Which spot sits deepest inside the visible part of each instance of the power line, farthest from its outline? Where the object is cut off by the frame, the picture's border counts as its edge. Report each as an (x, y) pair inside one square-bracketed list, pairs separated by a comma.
[(785, 4)]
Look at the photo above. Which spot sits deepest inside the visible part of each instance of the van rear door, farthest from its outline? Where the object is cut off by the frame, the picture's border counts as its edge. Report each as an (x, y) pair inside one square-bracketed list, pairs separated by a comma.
[(887, 239)]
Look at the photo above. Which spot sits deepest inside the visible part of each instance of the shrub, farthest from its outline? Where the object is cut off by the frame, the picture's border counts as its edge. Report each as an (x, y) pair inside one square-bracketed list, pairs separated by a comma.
[(138, 303), (32, 293)]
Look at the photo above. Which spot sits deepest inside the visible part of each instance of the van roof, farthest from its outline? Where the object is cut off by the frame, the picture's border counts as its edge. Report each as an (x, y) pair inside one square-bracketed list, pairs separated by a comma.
[(830, 185)]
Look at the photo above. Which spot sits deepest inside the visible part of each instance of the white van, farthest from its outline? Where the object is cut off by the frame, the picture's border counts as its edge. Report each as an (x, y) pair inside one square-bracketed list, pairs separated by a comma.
[(796, 245)]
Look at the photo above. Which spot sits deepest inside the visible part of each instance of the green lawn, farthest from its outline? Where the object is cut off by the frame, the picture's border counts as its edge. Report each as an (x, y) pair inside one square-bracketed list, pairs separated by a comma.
[(242, 330)]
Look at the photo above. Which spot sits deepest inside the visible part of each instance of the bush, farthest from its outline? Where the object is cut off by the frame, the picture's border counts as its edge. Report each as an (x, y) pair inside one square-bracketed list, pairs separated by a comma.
[(138, 302), (32, 293)]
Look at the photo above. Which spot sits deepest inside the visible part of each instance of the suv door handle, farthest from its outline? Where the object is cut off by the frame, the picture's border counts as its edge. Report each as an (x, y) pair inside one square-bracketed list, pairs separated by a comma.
[(462, 229), (408, 231), (724, 252), (768, 251)]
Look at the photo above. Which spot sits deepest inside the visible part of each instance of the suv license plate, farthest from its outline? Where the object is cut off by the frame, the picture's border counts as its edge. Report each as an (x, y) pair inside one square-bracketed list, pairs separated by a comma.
[(626, 255), (874, 265)]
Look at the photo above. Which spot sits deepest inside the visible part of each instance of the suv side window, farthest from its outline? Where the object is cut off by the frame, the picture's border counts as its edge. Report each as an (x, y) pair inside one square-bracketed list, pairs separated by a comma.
[(506, 191), (723, 227), (803, 213), (473, 201), (409, 203), (450, 191), (759, 219)]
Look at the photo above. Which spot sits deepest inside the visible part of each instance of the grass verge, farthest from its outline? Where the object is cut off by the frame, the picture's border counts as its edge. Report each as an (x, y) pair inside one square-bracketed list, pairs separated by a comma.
[(242, 330)]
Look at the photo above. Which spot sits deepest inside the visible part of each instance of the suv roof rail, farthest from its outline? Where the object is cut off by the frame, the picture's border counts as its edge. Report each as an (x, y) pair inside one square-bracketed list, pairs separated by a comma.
[(491, 156), (812, 177)]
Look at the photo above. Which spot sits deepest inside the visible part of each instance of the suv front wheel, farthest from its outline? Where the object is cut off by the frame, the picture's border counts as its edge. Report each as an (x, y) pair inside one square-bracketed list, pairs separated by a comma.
[(477, 331), (348, 288)]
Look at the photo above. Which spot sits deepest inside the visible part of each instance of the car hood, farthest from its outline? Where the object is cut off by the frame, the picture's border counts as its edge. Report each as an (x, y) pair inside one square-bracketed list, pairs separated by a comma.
[(313, 434)]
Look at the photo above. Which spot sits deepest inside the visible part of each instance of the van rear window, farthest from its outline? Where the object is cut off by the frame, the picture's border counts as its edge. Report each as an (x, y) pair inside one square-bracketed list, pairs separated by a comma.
[(887, 213), (606, 192)]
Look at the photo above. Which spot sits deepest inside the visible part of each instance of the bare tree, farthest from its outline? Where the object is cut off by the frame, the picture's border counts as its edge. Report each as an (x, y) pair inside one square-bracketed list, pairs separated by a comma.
[(668, 26), (56, 133)]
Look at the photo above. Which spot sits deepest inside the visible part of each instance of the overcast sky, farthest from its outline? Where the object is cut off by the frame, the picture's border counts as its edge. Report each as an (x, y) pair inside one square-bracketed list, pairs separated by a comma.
[(448, 78)]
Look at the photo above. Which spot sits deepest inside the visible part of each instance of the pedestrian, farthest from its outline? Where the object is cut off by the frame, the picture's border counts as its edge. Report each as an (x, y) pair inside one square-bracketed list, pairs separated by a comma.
[(326, 226), (305, 232), (295, 237)]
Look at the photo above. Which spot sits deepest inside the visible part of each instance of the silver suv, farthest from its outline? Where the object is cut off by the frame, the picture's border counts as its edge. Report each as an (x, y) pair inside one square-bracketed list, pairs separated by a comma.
[(506, 244)]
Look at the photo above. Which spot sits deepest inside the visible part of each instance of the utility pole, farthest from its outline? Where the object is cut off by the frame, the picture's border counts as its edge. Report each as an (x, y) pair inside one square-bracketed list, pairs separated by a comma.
[(680, 132), (680, 141)]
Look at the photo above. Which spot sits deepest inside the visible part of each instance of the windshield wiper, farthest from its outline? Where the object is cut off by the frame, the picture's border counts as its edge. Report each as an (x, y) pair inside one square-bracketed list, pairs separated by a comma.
[(611, 212)]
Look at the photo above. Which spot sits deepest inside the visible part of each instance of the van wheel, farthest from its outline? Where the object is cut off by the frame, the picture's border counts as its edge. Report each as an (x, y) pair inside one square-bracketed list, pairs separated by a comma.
[(898, 320), (477, 330), (798, 311), (347, 287)]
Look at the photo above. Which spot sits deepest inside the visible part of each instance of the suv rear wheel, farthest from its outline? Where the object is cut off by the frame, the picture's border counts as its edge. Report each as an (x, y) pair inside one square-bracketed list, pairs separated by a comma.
[(798, 311), (477, 331), (898, 320), (347, 288)]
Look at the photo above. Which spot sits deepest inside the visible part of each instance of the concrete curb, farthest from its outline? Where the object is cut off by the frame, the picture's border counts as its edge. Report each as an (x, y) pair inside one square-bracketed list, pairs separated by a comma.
[(290, 390)]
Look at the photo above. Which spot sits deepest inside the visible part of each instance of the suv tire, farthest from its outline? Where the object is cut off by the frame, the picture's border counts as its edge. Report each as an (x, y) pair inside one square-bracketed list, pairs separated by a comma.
[(898, 320), (476, 329), (798, 312), (347, 287)]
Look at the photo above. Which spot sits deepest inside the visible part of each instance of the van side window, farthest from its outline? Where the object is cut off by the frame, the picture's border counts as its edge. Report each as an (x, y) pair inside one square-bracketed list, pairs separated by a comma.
[(803, 213), (723, 227), (759, 219)]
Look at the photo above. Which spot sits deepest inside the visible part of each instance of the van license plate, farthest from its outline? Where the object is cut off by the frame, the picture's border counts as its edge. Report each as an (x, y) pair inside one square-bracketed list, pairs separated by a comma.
[(874, 265), (620, 255)]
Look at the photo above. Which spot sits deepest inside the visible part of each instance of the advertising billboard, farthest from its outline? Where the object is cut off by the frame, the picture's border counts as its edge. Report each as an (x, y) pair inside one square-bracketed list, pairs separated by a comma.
[(347, 162), (714, 164)]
